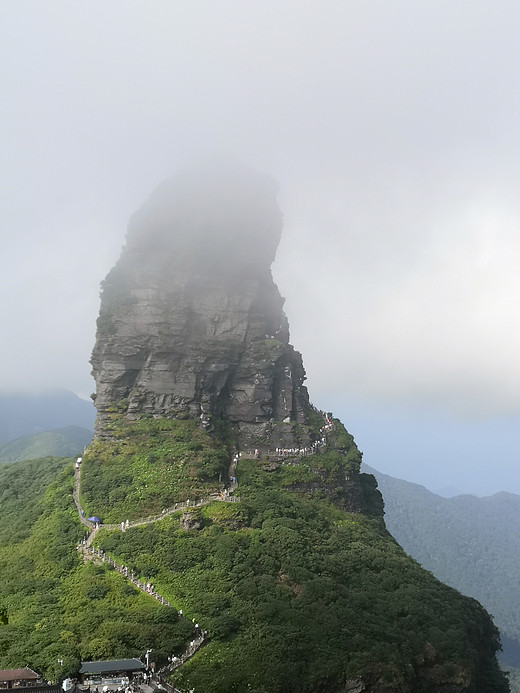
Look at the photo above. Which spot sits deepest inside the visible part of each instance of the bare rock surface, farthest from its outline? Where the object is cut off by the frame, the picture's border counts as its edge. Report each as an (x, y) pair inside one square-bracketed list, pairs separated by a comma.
[(190, 519), (191, 321)]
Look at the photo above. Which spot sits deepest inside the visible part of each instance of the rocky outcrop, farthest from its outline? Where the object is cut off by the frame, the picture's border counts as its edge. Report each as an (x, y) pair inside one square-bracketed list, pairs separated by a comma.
[(191, 322), (190, 519)]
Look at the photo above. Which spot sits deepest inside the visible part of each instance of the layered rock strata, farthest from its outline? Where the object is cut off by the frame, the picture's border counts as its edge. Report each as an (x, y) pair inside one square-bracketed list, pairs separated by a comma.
[(191, 321)]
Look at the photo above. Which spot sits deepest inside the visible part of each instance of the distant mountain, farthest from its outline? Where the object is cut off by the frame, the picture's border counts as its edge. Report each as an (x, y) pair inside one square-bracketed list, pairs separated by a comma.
[(470, 543), (62, 442), (22, 415), (448, 491)]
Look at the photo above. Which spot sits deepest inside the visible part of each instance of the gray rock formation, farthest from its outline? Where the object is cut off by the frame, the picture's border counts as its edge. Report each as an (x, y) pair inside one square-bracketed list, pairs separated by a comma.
[(190, 519), (191, 321)]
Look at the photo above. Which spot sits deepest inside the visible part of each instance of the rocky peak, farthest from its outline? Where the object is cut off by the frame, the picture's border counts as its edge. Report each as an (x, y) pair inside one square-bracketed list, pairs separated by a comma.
[(191, 322)]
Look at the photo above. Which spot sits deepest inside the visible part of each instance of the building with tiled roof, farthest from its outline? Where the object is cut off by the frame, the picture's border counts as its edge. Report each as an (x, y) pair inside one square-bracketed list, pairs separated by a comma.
[(19, 678)]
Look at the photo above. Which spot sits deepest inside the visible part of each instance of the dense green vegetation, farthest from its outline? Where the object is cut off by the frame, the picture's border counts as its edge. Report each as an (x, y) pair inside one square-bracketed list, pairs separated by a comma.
[(51, 605), (319, 594), (467, 542), (298, 595), (22, 489), (149, 465), (61, 442)]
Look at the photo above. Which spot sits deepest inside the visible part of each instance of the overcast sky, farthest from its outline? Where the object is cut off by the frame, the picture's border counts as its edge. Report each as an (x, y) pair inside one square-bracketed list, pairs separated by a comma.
[(393, 129)]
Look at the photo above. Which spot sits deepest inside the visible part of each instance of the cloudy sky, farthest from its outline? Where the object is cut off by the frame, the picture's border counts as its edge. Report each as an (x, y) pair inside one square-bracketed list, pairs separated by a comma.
[(393, 128)]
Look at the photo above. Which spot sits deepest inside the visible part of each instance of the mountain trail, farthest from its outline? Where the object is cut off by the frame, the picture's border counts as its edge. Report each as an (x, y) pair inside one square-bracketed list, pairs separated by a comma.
[(89, 552)]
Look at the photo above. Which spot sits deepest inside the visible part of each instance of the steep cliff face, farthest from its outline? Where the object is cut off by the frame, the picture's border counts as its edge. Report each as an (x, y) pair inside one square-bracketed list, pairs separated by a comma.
[(191, 320)]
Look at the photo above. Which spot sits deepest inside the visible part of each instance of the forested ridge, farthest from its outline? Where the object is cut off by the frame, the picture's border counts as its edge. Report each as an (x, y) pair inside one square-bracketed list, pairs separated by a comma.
[(324, 596), (467, 542)]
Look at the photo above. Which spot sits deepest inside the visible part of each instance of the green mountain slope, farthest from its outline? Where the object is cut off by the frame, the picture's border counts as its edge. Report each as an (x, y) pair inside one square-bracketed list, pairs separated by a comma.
[(61, 442), (52, 606), (469, 543), (319, 594), (282, 576)]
